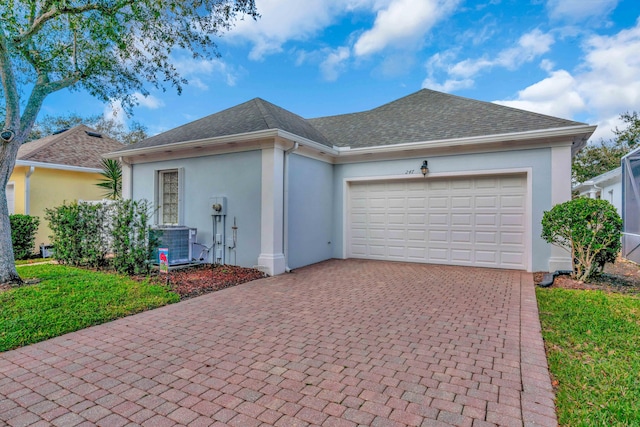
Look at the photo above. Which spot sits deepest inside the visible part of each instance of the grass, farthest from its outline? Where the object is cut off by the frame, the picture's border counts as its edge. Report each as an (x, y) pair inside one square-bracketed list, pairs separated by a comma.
[(68, 299), (592, 341)]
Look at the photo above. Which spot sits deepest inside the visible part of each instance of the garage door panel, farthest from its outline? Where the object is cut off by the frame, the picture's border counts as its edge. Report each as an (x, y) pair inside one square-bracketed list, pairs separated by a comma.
[(439, 202), (485, 219), (458, 236), (438, 219), (439, 236), (507, 238), (460, 221), (461, 255), (486, 202), (512, 220)]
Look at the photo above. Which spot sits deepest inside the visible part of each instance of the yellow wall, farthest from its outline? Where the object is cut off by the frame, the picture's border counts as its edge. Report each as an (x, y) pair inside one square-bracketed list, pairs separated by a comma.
[(50, 188), (18, 179)]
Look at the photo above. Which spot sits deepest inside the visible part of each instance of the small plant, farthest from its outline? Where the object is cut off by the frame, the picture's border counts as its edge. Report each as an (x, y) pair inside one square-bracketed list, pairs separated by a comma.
[(589, 229), (112, 182), (23, 234)]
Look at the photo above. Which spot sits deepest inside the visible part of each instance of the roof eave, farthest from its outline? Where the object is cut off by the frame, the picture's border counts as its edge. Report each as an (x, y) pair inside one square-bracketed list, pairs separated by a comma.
[(221, 140), (579, 135), (57, 166)]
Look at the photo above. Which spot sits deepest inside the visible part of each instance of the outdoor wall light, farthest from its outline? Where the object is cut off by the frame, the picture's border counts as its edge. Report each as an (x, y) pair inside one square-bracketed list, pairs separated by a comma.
[(424, 168)]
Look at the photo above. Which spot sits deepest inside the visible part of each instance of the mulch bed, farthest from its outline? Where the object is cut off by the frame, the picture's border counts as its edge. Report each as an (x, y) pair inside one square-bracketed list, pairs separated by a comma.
[(622, 277), (201, 279), (192, 281)]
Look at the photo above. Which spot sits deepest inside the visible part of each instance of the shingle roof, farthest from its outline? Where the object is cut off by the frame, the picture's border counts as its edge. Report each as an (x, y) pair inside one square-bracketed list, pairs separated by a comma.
[(428, 115), (425, 115), (251, 116), (73, 147)]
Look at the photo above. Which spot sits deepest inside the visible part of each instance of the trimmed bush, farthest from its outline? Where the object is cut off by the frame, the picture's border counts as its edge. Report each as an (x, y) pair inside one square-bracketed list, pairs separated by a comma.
[(114, 233), (78, 233), (23, 234), (589, 229), (132, 248)]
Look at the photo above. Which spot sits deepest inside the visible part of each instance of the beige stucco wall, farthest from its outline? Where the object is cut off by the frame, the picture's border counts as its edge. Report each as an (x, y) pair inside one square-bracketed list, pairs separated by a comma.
[(50, 188)]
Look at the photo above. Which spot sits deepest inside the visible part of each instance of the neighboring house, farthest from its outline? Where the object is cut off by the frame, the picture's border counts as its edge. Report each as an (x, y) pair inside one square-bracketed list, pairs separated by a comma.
[(607, 186), (631, 206), (59, 168), (302, 191)]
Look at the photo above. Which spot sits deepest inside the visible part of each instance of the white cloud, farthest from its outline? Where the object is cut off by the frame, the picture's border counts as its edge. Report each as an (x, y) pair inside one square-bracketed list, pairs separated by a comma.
[(542, 97), (604, 85), (401, 22), (334, 63), (579, 10), (284, 20), (114, 110), (529, 46), (460, 75), (197, 69), (149, 101)]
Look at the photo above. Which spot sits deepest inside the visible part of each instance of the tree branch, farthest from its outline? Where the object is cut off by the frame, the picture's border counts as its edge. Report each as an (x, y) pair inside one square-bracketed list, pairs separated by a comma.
[(55, 12), (40, 91), (9, 85)]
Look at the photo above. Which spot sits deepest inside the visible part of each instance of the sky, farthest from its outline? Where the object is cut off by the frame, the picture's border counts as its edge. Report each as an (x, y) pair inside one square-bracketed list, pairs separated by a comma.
[(575, 59)]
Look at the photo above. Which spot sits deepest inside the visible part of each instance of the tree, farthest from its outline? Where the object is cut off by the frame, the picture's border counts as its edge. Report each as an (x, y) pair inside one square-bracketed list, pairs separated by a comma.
[(109, 126), (604, 156), (112, 182), (108, 48), (589, 229)]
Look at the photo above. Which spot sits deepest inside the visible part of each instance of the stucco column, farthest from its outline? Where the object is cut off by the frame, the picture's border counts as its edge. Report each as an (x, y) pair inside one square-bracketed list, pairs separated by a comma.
[(127, 181), (560, 192), (271, 250)]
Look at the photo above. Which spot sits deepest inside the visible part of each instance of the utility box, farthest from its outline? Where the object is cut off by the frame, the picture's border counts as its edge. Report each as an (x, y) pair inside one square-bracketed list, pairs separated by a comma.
[(46, 251), (218, 205)]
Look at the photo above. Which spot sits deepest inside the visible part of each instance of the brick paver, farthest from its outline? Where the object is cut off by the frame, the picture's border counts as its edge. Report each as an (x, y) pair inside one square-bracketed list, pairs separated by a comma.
[(340, 343)]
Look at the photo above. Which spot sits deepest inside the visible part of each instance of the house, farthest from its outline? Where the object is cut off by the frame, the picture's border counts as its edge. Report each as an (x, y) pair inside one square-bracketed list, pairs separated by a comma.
[(58, 168), (299, 191), (607, 186), (631, 206)]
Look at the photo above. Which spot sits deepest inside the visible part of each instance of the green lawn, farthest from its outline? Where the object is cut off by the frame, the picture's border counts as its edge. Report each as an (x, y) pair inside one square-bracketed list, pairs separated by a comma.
[(68, 299), (593, 347)]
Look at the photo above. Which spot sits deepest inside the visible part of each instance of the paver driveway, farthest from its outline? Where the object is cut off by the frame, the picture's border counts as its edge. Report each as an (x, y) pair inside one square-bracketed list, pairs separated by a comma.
[(339, 343)]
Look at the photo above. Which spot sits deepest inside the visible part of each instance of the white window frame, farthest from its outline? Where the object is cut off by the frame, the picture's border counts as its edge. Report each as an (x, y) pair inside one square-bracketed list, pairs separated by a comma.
[(12, 206), (159, 192)]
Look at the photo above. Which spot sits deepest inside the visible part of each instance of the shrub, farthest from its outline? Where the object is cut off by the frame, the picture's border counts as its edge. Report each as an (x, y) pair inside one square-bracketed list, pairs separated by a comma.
[(23, 234), (589, 229), (85, 234), (132, 248), (78, 233)]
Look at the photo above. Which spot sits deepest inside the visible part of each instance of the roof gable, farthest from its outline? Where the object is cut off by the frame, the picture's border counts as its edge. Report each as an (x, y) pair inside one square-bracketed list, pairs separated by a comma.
[(428, 115), (251, 116), (73, 147)]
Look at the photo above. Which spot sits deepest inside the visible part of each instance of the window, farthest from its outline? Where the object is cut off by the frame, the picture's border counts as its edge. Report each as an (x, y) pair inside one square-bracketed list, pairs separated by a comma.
[(10, 191), (169, 196)]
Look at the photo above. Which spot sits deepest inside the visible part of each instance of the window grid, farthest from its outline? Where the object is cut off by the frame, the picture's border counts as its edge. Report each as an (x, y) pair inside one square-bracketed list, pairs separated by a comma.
[(169, 191)]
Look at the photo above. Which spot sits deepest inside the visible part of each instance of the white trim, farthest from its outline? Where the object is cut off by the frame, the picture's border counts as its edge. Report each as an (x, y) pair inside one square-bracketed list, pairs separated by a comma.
[(27, 190), (127, 179), (12, 209), (474, 140), (57, 166), (580, 134), (560, 192), (271, 216), (528, 172), (227, 139), (158, 195)]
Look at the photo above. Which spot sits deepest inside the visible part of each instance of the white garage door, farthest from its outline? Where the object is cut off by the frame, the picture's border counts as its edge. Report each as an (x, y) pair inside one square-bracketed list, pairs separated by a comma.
[(474, 221), (11, 198)]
